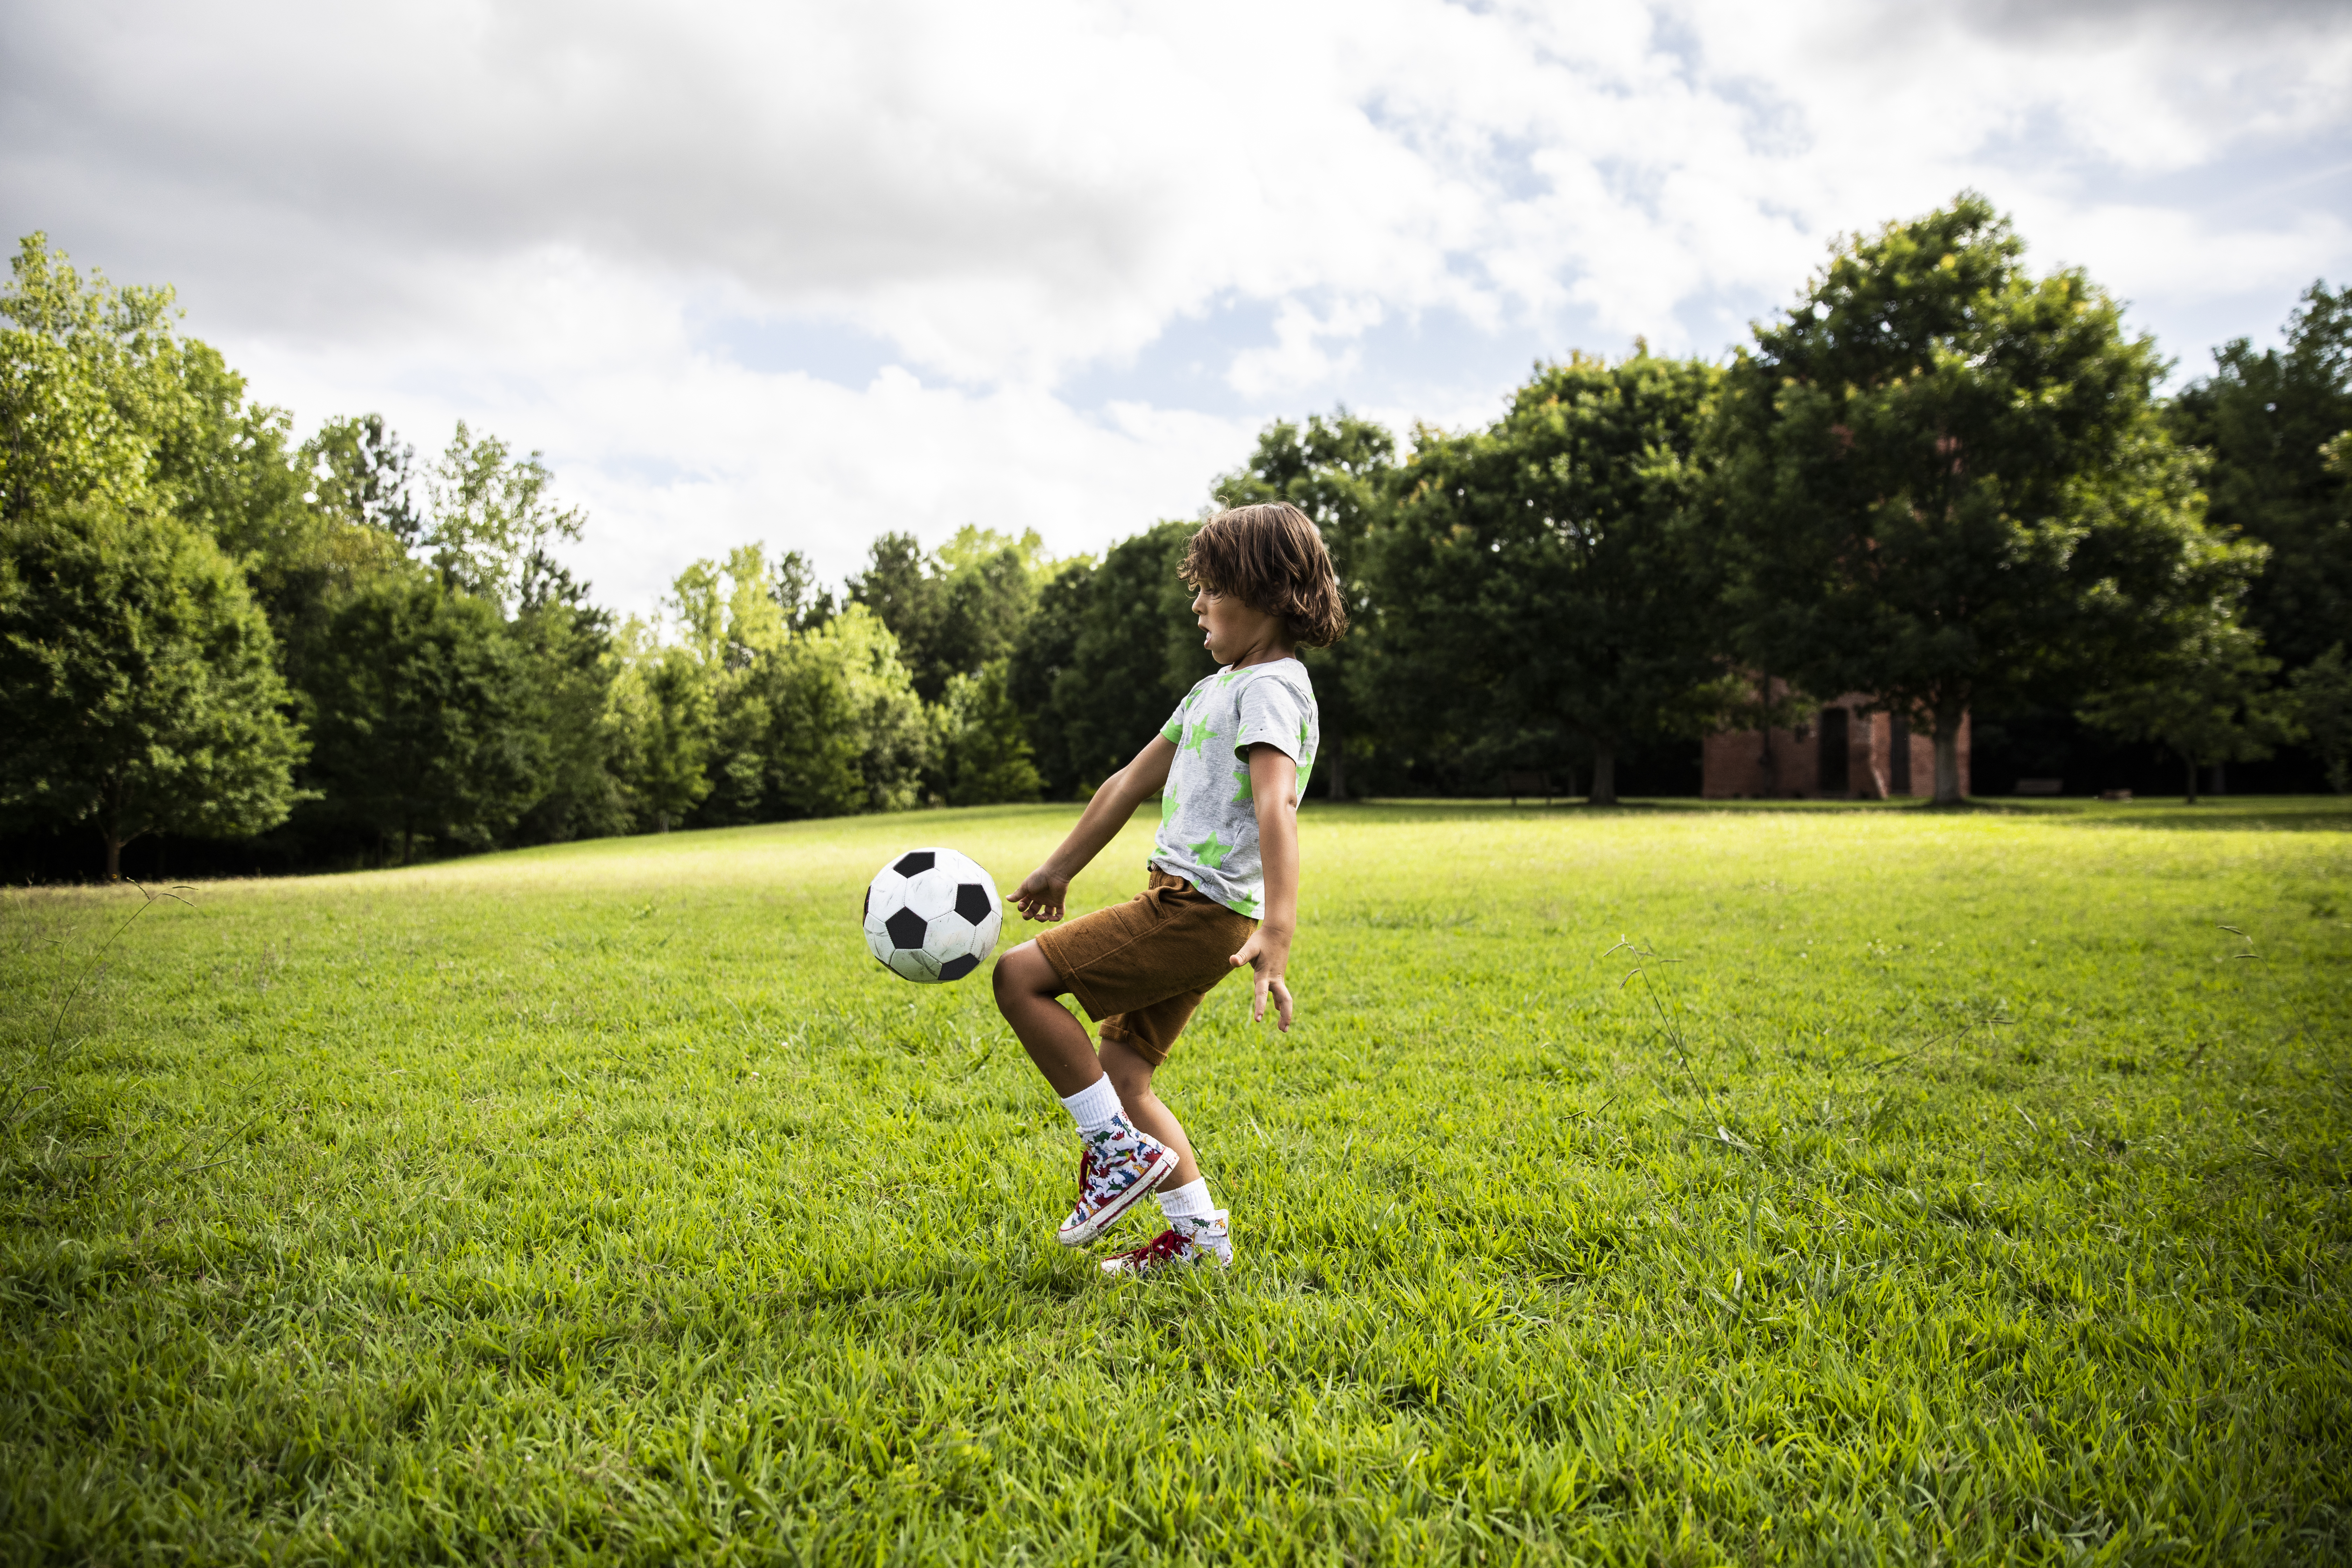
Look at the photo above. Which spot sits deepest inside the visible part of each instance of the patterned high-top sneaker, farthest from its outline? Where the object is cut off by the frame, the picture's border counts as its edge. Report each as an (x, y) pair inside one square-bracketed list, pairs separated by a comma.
[(1117, 1166), (1185, 1242)]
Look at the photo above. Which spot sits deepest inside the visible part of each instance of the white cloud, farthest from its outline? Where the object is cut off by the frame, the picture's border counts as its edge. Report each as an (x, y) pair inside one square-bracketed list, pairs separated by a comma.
[(512, 211), (677, 455)]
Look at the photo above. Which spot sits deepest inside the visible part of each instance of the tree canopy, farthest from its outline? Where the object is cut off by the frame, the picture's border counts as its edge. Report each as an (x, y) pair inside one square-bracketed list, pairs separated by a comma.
[(1535, 578), (1942, 481), (959, 609), (1109, 653), (2269, 420), (139, 679)]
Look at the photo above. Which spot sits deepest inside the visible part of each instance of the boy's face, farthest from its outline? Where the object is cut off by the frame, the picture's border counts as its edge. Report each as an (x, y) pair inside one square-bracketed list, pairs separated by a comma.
[(1233, 630)]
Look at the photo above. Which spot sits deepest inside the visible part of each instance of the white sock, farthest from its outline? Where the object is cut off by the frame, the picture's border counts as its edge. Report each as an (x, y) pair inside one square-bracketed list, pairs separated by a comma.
[(1190, 1201), (1094, 1105)]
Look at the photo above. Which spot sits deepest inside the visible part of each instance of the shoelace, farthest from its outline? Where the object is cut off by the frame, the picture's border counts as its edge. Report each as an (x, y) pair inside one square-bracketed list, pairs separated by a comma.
[(1165, 1247)]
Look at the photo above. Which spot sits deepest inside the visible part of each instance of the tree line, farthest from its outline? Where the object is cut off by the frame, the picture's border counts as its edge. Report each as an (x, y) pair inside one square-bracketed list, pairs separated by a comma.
[(1938, 479)]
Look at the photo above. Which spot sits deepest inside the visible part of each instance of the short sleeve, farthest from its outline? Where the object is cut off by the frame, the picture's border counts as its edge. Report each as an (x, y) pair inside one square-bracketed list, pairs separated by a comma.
[(1172, 732), (1273, 714)]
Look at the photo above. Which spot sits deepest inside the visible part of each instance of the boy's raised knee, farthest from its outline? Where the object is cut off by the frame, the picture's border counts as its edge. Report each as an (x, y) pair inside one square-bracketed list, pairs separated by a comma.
[(1024, 972)]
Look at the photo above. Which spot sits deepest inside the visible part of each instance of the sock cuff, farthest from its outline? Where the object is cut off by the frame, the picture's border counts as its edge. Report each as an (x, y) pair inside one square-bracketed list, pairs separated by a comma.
[(1094, 1105), (1190, 1201)]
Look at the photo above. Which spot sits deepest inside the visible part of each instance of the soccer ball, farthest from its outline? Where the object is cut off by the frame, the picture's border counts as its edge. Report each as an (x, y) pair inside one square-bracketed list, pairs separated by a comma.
[(932, 915)]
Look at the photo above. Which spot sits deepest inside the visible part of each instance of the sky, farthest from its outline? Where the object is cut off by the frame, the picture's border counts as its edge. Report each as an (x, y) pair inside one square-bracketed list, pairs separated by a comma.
[(800, 274)]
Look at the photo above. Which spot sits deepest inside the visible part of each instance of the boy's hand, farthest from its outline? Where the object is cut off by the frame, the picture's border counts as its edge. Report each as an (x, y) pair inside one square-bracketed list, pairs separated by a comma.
[(1042, 896), (1268, 952)]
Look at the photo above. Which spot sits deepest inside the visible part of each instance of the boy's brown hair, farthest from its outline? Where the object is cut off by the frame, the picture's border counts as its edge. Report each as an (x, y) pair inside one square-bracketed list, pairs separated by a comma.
[(1271, 558)]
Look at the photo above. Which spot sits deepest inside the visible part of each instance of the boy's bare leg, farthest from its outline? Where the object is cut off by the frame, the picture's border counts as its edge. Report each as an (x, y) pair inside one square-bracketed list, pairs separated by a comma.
[(1131, 1076), (1026, 987)]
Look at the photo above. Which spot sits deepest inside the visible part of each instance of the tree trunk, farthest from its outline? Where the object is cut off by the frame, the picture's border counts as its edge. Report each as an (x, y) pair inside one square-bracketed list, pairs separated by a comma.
[(407, 843), (1333, 743), (1604, 777), (2188, 794), (109, 828), (1947, 762), (661, 822)]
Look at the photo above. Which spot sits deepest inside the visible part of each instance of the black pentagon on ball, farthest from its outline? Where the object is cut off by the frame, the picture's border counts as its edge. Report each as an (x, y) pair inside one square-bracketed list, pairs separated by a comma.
[(906, 927), (915, 862), (867, 907), (957, 968), (973, 902)]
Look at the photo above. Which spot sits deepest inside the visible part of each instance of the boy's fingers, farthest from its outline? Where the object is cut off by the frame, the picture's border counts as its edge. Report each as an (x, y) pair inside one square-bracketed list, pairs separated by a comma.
[(1283, 1005)]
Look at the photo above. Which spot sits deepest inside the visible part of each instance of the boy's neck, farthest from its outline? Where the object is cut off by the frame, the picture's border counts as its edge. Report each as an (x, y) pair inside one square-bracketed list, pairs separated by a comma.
[(1264, 653)]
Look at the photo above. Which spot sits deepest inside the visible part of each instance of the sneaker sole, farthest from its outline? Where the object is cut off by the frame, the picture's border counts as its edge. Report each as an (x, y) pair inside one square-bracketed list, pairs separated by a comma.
[(1110, 1213), (1120, 1269)]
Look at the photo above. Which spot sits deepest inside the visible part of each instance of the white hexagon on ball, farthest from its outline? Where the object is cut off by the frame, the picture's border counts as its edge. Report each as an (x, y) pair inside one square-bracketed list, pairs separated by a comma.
[(932, 915)]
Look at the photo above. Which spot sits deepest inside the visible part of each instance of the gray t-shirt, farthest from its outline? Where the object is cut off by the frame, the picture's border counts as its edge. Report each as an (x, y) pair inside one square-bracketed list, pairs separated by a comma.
[(1208, 823)]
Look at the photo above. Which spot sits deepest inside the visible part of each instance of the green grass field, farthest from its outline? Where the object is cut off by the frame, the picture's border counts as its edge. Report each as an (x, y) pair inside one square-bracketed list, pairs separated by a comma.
[(1948, 1186)]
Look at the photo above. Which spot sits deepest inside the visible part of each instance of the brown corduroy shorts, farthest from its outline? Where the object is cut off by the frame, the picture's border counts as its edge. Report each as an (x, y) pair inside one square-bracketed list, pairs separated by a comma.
[(1140, 968)]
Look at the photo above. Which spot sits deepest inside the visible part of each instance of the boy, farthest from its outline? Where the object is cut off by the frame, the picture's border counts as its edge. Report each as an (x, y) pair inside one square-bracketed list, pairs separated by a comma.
[(1229, 766)]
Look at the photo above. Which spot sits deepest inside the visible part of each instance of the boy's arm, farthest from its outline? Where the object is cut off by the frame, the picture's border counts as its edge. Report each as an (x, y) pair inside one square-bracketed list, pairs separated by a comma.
[(1273, 787), (1042, 896)]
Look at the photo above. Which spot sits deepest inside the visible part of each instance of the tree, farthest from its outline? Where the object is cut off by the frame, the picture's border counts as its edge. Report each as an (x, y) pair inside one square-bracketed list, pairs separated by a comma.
[(229, 466), (979, 753), (805, 605), (137, 680), (991, 581), (801, 722), (99, 395), (901, 585), (954, 612), (2267, 418), (365, 475), (2206, 701), (849, 732), (2323, 712), (423, 725), (1943, 482), (565, 646), (1049, 646), (99, 392), (223, 462), (735, 624), (1341, 472), (490, 513), (1110, 650), (661, 705), (1540, 565), (85, 374)]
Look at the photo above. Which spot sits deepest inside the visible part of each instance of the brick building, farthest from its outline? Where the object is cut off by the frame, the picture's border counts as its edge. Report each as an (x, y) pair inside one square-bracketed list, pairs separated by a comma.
[(1840, 753)]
